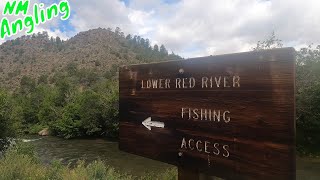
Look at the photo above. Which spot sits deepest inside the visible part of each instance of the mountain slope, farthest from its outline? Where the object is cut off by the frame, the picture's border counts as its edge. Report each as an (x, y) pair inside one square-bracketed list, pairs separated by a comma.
[(99, 50)]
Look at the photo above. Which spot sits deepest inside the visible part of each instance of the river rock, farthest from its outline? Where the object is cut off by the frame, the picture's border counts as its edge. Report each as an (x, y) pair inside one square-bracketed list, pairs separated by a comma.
[(44, 132)]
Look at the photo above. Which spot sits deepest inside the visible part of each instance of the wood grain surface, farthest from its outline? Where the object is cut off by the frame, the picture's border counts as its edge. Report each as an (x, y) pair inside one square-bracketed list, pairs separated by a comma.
[(254, 90)]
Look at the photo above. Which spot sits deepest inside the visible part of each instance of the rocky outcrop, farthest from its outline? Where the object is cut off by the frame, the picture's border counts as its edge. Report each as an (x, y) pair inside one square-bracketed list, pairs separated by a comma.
[(44, 132)]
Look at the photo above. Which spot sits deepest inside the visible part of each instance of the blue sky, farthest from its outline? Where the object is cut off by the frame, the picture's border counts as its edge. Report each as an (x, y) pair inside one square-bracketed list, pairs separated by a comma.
[(196, 28)]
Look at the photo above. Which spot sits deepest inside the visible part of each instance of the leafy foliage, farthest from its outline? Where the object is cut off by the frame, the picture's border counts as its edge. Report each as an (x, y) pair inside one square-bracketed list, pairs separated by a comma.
[(6, 124), (307, 94), (69, 111), (308, 100), (270, 43)]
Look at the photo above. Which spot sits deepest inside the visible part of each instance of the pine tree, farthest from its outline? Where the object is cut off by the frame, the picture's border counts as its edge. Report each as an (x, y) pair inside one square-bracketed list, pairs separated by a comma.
[(163, 50), (117, 31), (156, 48), (147, 43), (128, 37)]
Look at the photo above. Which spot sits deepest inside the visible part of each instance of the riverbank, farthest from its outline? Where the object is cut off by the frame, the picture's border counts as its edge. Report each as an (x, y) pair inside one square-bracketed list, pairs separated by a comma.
[(89, 150), (20, 162), (49, 150)]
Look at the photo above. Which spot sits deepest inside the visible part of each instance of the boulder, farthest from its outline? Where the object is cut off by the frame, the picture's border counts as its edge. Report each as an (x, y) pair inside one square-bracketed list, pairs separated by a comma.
[(44, 132)]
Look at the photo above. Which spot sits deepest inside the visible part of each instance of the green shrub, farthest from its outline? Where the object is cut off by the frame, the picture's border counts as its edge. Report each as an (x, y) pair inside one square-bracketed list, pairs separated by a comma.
[(21, 163), (308, 124), (6, 122)]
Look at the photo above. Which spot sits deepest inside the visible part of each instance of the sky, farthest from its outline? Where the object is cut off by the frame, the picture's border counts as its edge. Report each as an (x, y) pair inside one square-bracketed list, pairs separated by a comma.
[(193, 28)]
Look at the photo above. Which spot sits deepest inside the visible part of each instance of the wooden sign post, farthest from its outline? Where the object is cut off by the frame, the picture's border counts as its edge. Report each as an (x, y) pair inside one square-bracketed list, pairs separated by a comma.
[(230, 116)]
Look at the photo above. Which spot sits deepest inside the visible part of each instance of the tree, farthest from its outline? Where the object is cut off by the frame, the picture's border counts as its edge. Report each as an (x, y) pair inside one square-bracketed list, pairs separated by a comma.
[(45, 35), (27, 85), (308, 99), (138, 39), (147, 43), (163, 50), (156, 48), (135, 39), (6, 124), (142, 42), (270, 43), (117, 31), (43, 79), (72, 68), (58, 41), (122, 34), (65, 89), (128, 37), (52, 40)]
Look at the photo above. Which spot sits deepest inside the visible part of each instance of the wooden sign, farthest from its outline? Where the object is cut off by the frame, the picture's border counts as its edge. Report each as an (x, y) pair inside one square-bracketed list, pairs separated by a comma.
[(231, 116)]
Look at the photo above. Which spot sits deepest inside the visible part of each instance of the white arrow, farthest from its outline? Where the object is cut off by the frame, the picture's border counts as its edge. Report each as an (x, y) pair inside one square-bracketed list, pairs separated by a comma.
[(148, 123)]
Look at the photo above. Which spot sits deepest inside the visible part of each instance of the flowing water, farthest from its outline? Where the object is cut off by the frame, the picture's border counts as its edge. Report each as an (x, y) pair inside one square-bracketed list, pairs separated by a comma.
[(70, 151)]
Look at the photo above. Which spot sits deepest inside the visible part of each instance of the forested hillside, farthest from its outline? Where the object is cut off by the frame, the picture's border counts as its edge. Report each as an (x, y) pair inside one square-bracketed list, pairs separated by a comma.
[(68, 86), (100, 51)]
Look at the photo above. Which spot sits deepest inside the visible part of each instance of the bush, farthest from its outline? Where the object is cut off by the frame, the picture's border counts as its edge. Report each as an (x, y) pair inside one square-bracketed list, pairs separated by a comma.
[(20, 162), (308, 124), (90, 113), (6, 123)]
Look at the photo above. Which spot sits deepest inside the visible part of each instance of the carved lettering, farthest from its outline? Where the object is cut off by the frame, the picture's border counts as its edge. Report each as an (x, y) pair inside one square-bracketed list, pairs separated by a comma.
[(236, 81), (213, 115), (205, 82), (216, 149), (205, 146), (167, 83), (195, 114), (185, 83), (184, 143), (226, 82), (191, 144), (161, 83), (155, 84), (226, 118), (226, 151), (197, 145), (178, 83), (190, 83), (218, 81), (148, 84)]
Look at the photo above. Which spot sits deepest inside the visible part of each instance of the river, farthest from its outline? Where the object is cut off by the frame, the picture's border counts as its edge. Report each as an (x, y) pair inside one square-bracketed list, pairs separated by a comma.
[(70, 151)]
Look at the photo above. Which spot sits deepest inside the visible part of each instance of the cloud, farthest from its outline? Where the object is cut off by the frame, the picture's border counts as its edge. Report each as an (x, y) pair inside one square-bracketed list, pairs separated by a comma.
[(196, 28), (93, 14), (192, 27), (233, 25)]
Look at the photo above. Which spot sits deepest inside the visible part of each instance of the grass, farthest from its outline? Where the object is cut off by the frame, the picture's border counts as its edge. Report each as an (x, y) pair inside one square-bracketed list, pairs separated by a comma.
[(20, 162)]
